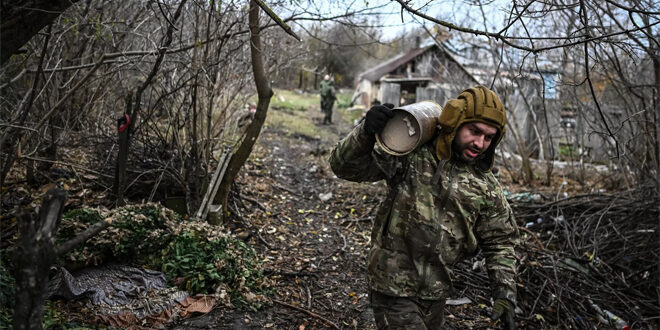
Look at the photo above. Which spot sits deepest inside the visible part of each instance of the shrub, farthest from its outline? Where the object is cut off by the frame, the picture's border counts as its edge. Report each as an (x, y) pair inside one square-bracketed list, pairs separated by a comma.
[(196, 256)]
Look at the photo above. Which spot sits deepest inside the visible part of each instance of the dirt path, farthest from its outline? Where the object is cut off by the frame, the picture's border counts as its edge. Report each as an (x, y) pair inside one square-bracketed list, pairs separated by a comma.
[(312, 231)]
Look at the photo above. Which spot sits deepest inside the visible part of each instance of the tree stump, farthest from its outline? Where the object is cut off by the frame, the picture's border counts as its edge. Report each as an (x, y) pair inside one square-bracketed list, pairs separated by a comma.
[(35, 254)]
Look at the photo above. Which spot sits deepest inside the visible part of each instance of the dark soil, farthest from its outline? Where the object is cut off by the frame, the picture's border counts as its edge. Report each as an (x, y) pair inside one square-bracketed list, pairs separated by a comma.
[(314, 251)]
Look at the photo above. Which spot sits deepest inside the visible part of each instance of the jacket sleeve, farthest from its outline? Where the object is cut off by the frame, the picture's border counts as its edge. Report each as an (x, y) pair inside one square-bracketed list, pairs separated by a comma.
[(497, 233), (354, 157), (332, 93)]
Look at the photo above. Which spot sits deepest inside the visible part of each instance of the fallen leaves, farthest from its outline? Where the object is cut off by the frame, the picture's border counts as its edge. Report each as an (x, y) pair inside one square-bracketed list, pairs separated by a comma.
[(197, 304)]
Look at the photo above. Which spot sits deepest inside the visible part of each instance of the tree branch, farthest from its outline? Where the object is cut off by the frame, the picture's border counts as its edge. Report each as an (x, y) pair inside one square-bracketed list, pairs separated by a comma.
[(90, 232), (277, 19), (583, 9), (506, 39)]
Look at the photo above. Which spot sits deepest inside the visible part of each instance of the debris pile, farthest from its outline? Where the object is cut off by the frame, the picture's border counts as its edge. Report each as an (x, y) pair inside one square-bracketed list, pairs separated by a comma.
[(190, 255), (585, 261)]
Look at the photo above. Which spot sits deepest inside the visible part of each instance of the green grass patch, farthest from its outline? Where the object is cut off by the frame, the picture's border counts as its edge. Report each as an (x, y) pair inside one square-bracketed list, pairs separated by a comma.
[(297, 114), (285, 99), (294, 123), (350, 116), (343, 100)]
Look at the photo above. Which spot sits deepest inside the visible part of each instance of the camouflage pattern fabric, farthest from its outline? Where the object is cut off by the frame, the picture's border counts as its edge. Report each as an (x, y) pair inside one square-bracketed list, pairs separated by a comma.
[(327, 100), (436, 214), (406, 313), (327, 90)]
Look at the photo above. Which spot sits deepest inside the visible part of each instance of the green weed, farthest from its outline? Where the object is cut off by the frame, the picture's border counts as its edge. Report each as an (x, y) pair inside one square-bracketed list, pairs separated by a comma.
[(207, 263), (284, 99)]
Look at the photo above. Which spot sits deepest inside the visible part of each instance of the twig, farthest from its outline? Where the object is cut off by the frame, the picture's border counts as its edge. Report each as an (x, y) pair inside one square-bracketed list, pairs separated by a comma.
[(277, 19), (343, 248), (590, 84), (308, 312), (268, 245), (289, 190), (355, 221), (336, 250), (254, 201), (309, 297), (286, 273), (60, 162), (536, 238)]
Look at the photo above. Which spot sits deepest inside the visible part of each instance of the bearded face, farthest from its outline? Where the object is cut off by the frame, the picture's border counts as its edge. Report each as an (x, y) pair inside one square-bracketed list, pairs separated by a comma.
[(472, 140)]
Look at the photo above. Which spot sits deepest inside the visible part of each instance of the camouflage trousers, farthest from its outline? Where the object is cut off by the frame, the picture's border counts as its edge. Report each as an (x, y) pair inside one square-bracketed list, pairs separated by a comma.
[(394, 313)]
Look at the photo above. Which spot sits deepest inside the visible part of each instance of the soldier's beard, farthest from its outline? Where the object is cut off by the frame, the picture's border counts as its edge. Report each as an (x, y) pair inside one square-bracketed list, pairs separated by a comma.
[(459, 152)]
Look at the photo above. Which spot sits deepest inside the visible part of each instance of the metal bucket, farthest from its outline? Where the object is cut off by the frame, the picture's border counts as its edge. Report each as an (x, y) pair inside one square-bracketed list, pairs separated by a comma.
[(411, 126)]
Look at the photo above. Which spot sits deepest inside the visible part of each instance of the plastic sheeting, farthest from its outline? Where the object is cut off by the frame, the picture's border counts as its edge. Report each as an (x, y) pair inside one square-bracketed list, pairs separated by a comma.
[(111, 285), (116, 290)]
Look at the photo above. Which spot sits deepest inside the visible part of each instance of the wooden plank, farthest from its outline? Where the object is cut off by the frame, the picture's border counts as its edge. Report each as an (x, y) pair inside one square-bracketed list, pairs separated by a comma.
[(391, 93)]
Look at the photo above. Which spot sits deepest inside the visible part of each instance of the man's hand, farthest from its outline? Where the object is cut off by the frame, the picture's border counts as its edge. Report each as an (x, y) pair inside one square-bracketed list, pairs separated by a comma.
[(377, 117), (503, 310)]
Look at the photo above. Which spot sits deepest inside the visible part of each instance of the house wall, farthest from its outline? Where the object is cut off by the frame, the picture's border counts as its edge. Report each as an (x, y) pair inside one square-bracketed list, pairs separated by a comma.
[(363, 92)]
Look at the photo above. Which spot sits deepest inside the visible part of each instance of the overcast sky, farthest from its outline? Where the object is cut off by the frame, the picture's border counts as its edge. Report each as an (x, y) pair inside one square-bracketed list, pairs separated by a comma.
[(388, 13)]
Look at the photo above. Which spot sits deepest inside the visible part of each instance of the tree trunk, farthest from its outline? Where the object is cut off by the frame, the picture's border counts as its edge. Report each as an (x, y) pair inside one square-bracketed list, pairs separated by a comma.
[(264, 93), (21, 20), (120, 175), (34, 256), (122, 155)]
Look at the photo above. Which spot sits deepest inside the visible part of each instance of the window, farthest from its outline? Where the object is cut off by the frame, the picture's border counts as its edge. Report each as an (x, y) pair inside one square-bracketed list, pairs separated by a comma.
[(550, 80)]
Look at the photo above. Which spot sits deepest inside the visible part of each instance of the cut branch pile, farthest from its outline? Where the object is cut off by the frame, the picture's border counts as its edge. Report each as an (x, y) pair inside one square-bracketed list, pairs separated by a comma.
[(584, 256)]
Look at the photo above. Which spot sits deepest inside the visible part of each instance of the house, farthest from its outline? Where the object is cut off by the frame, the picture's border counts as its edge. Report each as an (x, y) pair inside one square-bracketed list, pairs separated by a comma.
[(436, 72), (544, 120), (424, 73)]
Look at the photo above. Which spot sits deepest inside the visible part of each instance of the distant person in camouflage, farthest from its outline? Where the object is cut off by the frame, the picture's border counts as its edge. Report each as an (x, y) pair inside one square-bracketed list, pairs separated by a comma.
[(443, 203), (327, 98)]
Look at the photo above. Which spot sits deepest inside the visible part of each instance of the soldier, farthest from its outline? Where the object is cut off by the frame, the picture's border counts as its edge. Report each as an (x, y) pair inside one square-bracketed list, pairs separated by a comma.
[(443, 203), (327, 98)]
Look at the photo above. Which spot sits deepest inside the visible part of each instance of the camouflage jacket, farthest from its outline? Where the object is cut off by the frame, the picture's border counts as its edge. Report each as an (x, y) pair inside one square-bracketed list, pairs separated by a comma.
[(327, 90), (436, 214)]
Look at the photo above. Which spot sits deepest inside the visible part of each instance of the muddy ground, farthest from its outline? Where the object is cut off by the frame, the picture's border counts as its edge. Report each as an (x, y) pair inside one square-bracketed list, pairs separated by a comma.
[(313, 232)]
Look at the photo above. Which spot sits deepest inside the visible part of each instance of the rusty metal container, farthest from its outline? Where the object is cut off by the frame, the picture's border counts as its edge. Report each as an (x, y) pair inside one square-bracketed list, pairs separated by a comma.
[(411, 126)]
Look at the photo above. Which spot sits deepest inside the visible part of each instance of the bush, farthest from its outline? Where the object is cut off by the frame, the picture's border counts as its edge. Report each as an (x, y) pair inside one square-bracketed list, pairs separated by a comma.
[(196, 256), (202, 262), (138, 233)]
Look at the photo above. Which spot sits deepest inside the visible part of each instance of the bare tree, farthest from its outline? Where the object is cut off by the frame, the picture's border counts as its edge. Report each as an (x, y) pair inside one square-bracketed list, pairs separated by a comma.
[(603, 53)]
